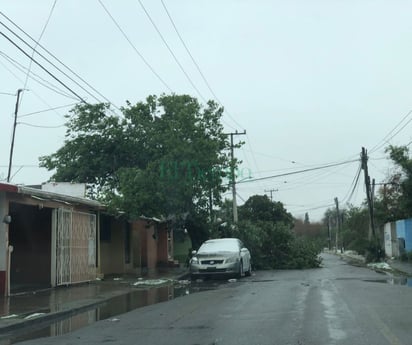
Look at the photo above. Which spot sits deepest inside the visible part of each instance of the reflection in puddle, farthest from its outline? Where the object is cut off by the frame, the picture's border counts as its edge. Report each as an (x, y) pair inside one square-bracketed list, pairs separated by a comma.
[(392, 281), (107, 310)]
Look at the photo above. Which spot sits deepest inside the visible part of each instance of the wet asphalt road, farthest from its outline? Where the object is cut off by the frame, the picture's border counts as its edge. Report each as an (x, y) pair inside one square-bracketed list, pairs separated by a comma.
[(337, 304)]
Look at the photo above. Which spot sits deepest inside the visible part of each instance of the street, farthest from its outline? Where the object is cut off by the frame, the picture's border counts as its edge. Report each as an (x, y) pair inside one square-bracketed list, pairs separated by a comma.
[(336, 304)]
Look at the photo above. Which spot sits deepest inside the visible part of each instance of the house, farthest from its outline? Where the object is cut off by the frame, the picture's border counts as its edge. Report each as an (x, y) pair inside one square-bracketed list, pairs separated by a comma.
[(391, 244), (156, 243), (46, 238), (398, 237), (52, 235), (404, 234)]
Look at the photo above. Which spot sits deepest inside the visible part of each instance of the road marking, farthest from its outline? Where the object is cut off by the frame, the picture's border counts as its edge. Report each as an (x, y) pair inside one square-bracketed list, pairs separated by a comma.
[(336, 333)]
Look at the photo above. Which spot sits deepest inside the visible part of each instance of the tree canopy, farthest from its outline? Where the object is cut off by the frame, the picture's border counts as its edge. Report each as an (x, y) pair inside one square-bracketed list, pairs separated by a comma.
[(266, 229), (261, 208), (166, 156)]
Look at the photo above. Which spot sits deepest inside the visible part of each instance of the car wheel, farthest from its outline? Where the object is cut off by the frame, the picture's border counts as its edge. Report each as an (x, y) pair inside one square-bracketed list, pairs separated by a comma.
[(248, 273)]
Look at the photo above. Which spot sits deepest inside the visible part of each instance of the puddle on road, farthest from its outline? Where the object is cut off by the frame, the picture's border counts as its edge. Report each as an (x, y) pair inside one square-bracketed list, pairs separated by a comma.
[(110, 309), (392, 281)]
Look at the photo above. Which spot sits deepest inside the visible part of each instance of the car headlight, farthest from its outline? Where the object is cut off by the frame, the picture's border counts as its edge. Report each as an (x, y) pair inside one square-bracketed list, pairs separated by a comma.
[(194, 260), (232, 259)]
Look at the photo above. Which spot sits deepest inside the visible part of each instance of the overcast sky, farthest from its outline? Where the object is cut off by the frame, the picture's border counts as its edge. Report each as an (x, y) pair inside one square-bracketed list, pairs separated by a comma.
[(310, 81)]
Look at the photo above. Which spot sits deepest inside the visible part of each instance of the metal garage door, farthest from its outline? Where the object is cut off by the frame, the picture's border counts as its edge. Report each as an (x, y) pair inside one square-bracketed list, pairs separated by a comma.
[(75, 246)]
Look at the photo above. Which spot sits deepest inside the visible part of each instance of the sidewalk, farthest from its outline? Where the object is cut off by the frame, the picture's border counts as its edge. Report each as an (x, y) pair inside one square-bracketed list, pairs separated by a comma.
[(401, 267), (43, 307)]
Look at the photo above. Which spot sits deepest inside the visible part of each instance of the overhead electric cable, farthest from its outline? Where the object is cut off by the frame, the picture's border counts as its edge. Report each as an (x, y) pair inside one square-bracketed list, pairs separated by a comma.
[(299, 171), (42, 67), (63, 64), (347, 198), (49, 109), (40, 126), (35, 46), (172, 53), (34, 92), (134, 47), (388, 136), (196, 64), (45, 83)]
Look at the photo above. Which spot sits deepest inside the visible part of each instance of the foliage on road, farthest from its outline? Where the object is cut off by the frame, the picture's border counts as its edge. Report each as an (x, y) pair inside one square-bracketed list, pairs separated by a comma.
[(266, 229)]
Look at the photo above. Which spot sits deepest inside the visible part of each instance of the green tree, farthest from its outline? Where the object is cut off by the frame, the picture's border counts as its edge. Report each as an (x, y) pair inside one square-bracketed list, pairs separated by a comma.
[(397, 197), (266, 229), (261, 208), (355, 229), (166, 157)]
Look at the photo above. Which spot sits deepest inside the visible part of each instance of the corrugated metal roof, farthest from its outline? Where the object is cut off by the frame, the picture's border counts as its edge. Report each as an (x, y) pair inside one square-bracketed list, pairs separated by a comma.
[(43, 195)]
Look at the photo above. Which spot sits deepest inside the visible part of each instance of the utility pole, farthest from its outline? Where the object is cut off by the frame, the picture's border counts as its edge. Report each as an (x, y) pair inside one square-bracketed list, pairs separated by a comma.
[(364, 160), (329, 235), (369, 198), (337, 224), (19, 91), (232, 172), (271, 191)]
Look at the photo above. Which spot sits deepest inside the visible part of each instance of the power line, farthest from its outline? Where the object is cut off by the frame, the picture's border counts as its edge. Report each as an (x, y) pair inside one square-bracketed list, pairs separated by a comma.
[(354, 184), (197, 65), (134, 47), (299, 171), (49, 109), (42, 67), (45, 83), (35, 46), (40, 126), (34, 92), (388, 136), (172, 53), (7, 94), (59, 61)]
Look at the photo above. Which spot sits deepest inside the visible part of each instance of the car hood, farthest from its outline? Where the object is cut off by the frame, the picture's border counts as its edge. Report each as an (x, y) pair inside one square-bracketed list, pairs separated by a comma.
[(216, 254)]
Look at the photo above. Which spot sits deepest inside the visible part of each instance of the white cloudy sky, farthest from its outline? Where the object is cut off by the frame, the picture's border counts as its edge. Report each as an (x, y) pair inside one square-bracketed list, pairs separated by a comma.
[(310, 81)]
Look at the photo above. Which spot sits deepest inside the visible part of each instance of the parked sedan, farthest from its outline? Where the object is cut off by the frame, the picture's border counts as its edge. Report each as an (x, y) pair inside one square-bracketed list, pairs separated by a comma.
[(224, 256)]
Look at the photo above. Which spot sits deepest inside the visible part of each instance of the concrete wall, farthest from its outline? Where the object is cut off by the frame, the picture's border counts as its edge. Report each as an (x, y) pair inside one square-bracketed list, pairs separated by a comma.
[(112, 257), (404, 231), (391, 240), (136, 245), (164, 246), (148, 238)]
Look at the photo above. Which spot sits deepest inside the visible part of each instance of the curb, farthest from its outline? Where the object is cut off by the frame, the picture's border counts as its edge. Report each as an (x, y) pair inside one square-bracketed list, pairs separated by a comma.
[(10, 325), (47, 318)]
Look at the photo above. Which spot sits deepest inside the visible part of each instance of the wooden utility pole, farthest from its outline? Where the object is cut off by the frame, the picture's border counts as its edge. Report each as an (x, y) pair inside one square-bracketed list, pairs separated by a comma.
[(271, 192), (19, 91), (337, 224), (364, 160), (329, 235), (369, 197), (232, 172)]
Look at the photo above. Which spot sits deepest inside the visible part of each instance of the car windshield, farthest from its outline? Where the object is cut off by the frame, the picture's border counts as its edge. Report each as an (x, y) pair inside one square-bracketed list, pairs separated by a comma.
[(219, 246)]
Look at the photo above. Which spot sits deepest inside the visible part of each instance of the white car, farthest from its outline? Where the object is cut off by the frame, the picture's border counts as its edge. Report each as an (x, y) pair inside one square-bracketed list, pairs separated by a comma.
[(224, 256)]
